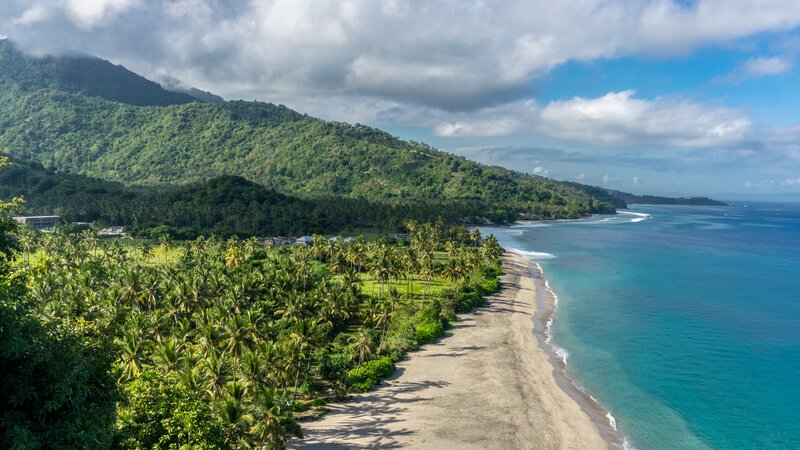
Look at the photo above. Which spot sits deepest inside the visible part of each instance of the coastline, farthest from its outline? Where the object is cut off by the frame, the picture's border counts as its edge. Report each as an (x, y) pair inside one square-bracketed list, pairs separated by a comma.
[(491, 383), (547, 301)]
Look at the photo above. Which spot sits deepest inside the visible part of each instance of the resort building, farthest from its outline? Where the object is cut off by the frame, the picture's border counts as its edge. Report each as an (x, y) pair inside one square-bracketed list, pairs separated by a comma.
[(39, 222), (112, 232), (305, 240)]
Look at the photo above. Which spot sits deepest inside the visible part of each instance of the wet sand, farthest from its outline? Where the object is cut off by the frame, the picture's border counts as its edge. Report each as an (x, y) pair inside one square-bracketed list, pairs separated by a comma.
[(487, 384)]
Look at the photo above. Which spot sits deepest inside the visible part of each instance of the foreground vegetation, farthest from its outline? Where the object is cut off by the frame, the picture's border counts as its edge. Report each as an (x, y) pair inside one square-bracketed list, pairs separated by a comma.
[(212, 343)]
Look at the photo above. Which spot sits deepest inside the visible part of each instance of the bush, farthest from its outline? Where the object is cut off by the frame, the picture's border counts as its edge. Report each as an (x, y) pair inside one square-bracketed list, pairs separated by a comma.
[(490, 285), (362, 378), (334, 366), (428, 332), (470, 300)]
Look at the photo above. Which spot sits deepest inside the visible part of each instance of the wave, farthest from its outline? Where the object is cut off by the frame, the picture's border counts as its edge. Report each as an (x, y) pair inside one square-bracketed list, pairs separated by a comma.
[(532, 255), (634, 213), (639, 216), (563, 356)]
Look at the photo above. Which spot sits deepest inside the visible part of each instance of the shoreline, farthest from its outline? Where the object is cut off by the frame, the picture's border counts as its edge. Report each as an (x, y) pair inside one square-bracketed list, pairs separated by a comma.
[(543, 319), (489, 383)]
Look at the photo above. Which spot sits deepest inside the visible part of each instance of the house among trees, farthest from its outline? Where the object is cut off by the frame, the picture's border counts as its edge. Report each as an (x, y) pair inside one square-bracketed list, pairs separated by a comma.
[(39, 222), (112, 232), (305, 240)]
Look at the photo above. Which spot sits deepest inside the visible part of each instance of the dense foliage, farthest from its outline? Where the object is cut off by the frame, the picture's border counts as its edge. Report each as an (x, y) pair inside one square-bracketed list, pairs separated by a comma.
[(223, 206), (64, 128), (222, 344), (56, 389)]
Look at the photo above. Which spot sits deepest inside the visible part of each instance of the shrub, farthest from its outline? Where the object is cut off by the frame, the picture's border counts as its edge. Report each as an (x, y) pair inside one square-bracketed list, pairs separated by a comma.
[(470, 300), (362, 378), (428, 332), (490, 285)]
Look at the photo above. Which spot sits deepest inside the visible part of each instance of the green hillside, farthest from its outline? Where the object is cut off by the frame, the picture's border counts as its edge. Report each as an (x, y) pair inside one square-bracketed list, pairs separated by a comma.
[(225, 206), (63, 127), (84, 75)]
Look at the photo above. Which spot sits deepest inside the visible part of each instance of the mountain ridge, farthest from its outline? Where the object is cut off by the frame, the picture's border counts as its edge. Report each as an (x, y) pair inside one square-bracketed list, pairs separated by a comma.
[(162, 139)]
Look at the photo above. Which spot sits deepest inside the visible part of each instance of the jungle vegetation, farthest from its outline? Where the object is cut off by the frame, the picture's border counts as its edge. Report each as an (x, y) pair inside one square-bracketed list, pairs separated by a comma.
[(214, 343)]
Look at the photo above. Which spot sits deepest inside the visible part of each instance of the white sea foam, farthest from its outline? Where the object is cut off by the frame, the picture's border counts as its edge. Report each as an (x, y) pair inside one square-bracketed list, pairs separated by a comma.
[(634, 213), (639, 216), (532, 255), (561, 353), (612, 421)]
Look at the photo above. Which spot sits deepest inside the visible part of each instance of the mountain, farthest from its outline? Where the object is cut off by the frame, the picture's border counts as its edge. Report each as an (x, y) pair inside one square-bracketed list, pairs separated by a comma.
[(80, 127), (659, 200), (175, 85), (80, 74)]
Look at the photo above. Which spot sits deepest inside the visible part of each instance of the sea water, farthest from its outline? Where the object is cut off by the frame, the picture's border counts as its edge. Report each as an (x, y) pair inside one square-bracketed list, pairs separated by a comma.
[(683, 322)]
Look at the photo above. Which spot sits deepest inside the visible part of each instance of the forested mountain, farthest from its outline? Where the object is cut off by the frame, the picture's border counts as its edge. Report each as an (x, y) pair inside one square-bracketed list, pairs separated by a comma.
[(81, 74), (660, 200), (69, 127)]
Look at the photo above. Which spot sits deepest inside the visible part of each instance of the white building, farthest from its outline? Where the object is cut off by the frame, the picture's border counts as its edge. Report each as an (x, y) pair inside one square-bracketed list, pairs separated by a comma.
[(39, 222)]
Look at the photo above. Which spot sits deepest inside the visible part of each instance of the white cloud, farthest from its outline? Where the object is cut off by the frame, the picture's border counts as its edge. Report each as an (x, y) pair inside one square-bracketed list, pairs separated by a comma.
[(763, 184), (620, 119), (540, 170), (463, 55), (580, 177), (32, 15), (763, 66), (758, 67), (617, 119), (791, 182), (636, 181), (89, 13)]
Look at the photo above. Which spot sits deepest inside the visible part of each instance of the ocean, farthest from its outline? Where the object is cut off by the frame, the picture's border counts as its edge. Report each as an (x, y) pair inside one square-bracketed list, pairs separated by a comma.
[(682, 321)]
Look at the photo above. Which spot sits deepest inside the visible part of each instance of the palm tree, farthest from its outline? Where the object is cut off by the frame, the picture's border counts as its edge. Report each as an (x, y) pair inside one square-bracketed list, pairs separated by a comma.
[(362, 345), (307, 335)]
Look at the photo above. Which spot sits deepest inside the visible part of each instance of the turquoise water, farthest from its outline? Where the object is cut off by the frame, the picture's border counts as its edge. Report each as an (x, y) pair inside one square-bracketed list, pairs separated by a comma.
[(684, 322)]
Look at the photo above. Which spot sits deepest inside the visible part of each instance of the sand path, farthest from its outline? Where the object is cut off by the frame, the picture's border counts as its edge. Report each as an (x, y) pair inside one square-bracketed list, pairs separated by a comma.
[(488, 384)]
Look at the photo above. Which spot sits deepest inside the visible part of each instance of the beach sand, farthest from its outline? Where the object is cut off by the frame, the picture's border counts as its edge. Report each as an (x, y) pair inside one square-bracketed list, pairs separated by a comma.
[(488, 384)]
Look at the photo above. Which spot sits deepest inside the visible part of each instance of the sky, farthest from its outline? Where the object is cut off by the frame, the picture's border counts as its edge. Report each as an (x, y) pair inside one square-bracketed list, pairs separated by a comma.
[(648, 96)]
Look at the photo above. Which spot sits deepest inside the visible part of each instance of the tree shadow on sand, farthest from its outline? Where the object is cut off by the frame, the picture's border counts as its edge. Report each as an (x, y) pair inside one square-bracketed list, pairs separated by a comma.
[(370, 418)]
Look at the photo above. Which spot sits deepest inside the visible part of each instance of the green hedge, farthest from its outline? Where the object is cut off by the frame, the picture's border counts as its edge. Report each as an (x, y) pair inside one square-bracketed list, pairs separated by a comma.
[(362, 378), (428, 332)]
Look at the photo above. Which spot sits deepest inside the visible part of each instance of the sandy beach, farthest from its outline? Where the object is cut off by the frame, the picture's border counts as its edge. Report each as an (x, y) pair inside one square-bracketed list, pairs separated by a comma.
[(487, 384)]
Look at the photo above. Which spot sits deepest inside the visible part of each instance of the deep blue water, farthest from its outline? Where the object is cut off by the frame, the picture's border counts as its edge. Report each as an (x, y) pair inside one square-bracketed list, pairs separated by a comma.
[(685, 324)]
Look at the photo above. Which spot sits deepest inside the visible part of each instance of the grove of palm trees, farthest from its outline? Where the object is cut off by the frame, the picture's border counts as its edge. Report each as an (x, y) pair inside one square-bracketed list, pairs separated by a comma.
[(211, 343)]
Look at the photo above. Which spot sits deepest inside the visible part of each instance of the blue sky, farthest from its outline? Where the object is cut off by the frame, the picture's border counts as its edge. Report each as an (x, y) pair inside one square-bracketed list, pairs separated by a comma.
[(651, 96)]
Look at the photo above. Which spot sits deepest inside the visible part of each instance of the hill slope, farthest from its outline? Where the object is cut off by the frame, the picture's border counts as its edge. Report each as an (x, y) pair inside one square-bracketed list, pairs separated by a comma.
[(84, 75), (222, 205), (64, 126)]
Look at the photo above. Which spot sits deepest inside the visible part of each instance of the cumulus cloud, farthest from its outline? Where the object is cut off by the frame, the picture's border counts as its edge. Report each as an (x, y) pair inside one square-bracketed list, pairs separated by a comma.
[(580, 177), (540, 170), (758, 67), (617, 118), (636, 181), (402, 51), (762, 66), (791, 182)]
